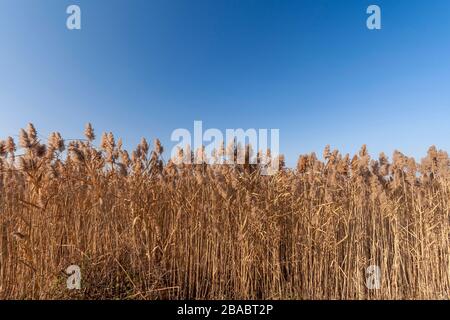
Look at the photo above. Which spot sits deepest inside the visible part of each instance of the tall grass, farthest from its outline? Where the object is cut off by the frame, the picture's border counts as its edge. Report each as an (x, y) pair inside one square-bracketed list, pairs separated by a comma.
[(142, 228)]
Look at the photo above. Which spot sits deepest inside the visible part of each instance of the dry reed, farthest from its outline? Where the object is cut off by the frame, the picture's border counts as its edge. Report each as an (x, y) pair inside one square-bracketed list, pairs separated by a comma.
[(141, 228)]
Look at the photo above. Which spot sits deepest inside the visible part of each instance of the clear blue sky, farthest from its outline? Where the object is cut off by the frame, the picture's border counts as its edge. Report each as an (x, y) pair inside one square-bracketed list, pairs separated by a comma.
[(310, 68)]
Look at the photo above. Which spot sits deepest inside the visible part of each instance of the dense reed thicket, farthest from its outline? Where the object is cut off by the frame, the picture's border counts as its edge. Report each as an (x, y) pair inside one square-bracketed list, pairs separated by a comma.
[(143, 228)]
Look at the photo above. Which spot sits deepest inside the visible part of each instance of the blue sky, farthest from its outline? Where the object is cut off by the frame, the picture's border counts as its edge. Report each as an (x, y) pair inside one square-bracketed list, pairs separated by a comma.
[(310, 68)]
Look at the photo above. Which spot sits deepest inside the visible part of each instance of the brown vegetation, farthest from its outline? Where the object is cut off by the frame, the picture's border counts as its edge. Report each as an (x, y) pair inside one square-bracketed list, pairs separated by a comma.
[(141, 228)]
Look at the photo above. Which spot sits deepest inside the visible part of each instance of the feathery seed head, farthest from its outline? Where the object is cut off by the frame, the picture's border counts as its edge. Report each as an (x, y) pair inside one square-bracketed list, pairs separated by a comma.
[(89, 132)]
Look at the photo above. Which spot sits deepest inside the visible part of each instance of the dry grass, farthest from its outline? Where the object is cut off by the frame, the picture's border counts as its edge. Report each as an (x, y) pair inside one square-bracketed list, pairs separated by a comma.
[(140, 228)]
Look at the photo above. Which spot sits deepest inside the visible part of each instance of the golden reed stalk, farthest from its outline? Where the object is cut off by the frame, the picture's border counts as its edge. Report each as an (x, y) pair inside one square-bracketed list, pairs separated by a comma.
[(141, 228)]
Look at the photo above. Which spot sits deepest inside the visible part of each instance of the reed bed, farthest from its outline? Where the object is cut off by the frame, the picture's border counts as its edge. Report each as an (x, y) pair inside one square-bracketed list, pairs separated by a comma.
[(143, 228)]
